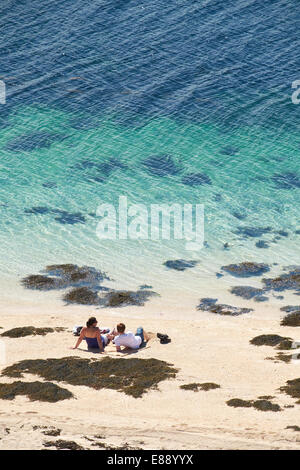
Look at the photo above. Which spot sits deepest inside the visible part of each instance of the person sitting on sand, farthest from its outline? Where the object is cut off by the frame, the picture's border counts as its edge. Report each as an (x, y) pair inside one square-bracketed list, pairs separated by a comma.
[(128, 340), (92, 334)]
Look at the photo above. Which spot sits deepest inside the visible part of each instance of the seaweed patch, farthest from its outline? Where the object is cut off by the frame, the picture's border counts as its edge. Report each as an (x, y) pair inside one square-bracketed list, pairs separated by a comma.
[(21, 332), (195, 387), (132, 376), (246, 269), (210, 305), (180, 264), (260, 404), (35, 391)]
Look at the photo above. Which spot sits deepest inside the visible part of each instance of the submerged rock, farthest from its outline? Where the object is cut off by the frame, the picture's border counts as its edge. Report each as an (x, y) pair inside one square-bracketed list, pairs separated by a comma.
[(246, 269), (210, 305), (161, 165), (133, 376), (196, 179), (180, 264)]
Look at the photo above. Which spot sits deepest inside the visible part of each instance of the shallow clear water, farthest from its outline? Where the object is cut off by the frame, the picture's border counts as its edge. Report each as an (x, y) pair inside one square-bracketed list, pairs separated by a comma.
[(207, 83)]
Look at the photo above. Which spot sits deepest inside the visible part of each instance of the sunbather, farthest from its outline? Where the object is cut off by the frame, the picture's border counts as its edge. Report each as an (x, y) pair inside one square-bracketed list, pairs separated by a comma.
[(92, 334), (128, 340)]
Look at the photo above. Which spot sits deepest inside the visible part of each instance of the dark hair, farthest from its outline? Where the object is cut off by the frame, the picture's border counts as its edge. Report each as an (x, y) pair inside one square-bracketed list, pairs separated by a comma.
[(121, 327), (91, 321)]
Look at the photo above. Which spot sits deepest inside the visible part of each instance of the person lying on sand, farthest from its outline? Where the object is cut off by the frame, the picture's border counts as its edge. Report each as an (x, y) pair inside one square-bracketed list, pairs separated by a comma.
[(128, 340), (92, 334)]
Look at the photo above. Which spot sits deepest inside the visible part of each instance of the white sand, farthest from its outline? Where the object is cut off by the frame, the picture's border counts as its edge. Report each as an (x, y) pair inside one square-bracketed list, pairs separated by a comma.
[(205, 347)]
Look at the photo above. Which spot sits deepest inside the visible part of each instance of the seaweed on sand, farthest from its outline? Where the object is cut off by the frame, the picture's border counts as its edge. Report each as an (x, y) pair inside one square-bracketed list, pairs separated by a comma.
[(35, 391), (195, 387), (20, 332), (52, 432), (261, 404), (132, 376), (292, 388), (292, 319), (294, 428), (60, 444), (246, 269), (272, 340)]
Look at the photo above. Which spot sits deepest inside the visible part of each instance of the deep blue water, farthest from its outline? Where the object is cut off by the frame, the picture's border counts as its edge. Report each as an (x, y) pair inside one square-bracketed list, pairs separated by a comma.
[(229, 62)]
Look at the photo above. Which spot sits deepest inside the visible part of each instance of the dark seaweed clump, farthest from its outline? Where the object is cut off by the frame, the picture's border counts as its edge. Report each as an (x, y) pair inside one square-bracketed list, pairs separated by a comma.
[(261, 244), (61, 216), (85, 282), (123, 298), (161, 165), (180, 264), (290, 308), (292, 388), (196, 179), (286, 180), (210, 305), (246, 269), (133, 376), (253, 232), (20, 332), (292, 319), (33, 141), (60, 444), (294, 428), (261, 405), (35, 391), (52, 432), (195, 387), (272, 340), (249, 292), (290, 280), (82, 296), (60, 276)]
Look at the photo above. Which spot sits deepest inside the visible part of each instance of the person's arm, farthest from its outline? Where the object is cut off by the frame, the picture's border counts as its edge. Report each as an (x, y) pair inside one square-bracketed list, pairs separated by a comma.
[(82, 334), (118, 348), (99, 339)]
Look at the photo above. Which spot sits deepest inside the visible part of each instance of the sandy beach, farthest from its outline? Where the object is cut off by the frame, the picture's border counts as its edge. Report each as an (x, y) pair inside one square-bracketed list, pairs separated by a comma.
[(204, 347)]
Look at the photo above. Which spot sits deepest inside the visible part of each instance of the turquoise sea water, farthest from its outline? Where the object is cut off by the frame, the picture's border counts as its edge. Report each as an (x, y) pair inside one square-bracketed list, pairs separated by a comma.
[(91, 98)]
